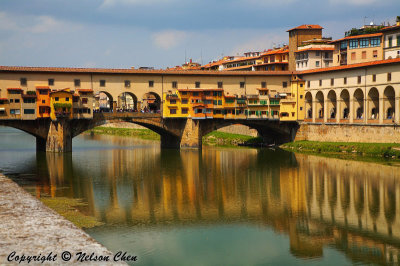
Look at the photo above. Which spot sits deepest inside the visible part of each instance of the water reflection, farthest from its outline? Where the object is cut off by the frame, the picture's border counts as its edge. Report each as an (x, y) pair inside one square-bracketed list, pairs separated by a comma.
[(316, 202)]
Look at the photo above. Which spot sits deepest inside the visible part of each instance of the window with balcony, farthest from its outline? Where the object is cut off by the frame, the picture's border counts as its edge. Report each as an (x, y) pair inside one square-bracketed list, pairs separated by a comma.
[(376, 41), (390, 41), (353, 44), (364, 42)]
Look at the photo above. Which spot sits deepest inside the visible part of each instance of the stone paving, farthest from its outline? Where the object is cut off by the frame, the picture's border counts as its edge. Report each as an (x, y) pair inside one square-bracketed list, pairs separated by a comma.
[(28, 227)]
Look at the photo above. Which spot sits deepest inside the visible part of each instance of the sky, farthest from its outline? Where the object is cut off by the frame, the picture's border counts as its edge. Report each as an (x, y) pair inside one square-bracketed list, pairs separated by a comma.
[(162, 33)]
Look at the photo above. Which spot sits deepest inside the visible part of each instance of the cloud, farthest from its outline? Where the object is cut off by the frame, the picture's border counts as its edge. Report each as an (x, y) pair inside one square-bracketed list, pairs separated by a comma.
[(112, 3), (169, 38), (354, 2)]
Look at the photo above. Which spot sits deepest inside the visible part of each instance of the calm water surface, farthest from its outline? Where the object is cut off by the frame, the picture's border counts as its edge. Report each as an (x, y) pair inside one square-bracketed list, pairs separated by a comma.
[(218, 206)]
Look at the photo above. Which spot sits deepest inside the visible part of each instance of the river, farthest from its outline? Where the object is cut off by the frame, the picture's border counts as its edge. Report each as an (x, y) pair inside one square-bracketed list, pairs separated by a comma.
[(218, 206)]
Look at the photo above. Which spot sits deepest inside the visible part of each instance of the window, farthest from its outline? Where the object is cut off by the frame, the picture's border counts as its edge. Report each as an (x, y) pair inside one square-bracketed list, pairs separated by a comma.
[(301, 108), (51, 82), (320, 82), (242, 84), (29, 111), (56, 99), (390, 41), (151, 83), (263, 84), (23, 81), (184, 101), (301, 85), (284, 84), (197, 84), (102, 83), (220, 84), (16, 100), (353, 56), (219, 102), (364, 42), (184, 111), (43, 101), (308, 84), (84, 100), (29, 100), (364, 55), (389, 76), (317, 53), (376, 41), (398, 40), (343, 45), (375, 53), (172, 111), (172, 101), (344, 81), (77, 82), (174, 84), (127, 83), (67, 99), (317, 63), (195, 93), (184, 93), (75, 99), (359, 79), (374, 78), (353, 44), (11, 100), (215, 102), (332, 82)]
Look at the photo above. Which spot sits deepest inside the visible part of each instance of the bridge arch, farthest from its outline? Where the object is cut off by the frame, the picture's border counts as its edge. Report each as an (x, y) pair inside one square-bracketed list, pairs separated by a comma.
[(344, 104), (151, 102), (105, 101), (320, 105), (389, 106), (373, 103), (358, 104), (332, 104), (127, 101), (309, 110)]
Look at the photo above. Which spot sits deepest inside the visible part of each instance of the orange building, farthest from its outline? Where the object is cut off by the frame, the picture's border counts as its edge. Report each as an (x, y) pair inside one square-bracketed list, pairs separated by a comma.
[(43, 101)]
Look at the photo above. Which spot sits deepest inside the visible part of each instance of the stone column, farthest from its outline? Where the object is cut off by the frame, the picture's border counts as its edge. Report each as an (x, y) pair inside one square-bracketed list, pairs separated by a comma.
[(351, 108), (114, 106), (59, 138), (381, 110), (191, 135), (325, 110), (396, 110), (313, 109), (339, 111)]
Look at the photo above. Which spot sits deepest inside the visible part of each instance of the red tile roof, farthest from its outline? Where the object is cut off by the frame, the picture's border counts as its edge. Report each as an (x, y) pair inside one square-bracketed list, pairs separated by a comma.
[(42, 87), (3, 99), (85, 90), (238, 68), (366, 64), (307, 27), (136, 71), (395, 27), (316, 49), (359, 37), (199, 90)]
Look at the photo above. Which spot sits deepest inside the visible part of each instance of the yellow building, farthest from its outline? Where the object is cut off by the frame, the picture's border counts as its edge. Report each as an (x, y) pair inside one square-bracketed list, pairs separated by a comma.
[(292, 104), (61, 104)]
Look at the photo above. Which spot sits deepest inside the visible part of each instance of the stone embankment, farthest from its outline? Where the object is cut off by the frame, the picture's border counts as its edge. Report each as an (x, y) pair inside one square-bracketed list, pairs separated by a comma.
[(29, 228)]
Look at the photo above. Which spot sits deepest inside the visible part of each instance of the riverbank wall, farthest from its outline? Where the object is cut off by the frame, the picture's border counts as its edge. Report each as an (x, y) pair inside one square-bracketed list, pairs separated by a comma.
[(349, 133), (28, 227)]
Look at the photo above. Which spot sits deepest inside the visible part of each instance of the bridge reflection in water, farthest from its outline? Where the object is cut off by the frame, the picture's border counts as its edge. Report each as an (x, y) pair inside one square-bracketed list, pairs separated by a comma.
[(349, 205)]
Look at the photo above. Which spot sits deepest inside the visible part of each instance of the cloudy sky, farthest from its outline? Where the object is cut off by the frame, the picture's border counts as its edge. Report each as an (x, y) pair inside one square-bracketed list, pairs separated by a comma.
[(158, 33)]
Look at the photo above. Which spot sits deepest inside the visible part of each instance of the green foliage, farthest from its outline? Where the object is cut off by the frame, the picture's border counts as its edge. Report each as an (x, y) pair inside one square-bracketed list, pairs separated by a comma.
[(229, 139), (62, 105), (398, 19), (354, 31), (127, 132), (387, 150)]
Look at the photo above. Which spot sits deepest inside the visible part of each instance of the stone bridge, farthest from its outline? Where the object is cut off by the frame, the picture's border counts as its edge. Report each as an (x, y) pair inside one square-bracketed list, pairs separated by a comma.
[(56, 136)]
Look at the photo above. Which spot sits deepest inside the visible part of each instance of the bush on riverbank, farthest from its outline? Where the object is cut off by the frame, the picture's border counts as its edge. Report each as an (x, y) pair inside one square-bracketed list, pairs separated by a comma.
[(127, 132), (387, 150)]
